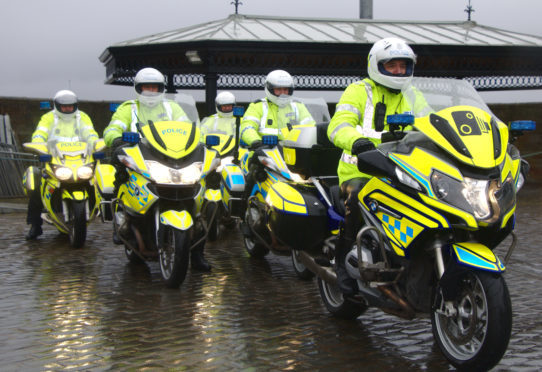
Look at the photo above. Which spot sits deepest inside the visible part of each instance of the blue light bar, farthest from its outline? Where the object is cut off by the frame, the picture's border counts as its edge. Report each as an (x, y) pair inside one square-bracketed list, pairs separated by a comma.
[(238, 111), (45, 105), (523, 125), (404, 119), (113, 107), (270, 140), (45, 158), (212, 140), (130, 137)]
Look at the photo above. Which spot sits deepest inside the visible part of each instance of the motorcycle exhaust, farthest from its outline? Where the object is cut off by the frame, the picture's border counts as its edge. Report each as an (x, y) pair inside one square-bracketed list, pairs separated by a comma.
[(406, 311), (326, 273)]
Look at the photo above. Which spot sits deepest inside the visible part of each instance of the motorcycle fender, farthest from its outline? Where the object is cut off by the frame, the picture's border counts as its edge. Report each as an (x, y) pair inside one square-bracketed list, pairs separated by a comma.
[(284, 197), (181, 220), (478, 256), (213, 195), (75, 195), (105, 176), (30, 177)]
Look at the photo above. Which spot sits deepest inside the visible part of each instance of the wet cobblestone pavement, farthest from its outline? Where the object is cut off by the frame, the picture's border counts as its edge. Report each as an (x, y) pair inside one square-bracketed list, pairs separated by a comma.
[(89, 309)]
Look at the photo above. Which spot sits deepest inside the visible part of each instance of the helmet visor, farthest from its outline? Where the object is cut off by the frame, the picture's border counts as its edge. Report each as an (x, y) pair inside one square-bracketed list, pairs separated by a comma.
[(400, 67)]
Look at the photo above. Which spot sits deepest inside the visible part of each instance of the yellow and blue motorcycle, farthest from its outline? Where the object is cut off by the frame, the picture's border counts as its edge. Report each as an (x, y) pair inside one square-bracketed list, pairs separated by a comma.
[(66, 183), (159, 212), (441, 199)]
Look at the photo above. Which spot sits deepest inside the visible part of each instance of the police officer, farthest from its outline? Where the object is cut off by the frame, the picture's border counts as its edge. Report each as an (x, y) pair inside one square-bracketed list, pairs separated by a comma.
[(274, 114), (357, 126), (64, 123), (150, 104), (223, 121)]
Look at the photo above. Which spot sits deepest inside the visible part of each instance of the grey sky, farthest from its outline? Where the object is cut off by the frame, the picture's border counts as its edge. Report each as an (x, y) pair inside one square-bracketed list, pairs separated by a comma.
[(55, 44)]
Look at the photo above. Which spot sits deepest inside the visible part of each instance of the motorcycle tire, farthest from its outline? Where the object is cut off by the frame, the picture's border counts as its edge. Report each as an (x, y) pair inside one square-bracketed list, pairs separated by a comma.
[(477, 335), (214, 227), (132, 256), (301, 270), (173, 256), (254, 248), (78, 224), (337, 304)]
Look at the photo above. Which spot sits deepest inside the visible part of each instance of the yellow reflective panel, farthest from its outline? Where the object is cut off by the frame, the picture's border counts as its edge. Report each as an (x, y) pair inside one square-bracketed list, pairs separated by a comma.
[(289, 155), (295, 208), (288, 193), (180, 138), (39, 147), (489, 259), (397, 249), (275, 155), (386, 193), (136, 156), (507, 168), (213, 195), (467, 217), (507, 216)]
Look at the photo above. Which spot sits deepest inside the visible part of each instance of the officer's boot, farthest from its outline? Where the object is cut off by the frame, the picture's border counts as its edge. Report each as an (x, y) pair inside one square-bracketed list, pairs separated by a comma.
[(34, 232), (198, 261), (346, 284)]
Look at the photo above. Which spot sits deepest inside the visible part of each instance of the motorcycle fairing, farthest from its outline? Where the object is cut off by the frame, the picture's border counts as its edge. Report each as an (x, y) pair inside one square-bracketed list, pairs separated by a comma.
[(48, 187), (134, 154), (29, 179), (78, 195), (71, 149), (210, 162), (282, 168), (39, 147), (137, 195), (420, 164), (176, 139), (181, 220), (468, 218), (105, 176), (212, 195), (468, 133), (286, 199), (478, 256)]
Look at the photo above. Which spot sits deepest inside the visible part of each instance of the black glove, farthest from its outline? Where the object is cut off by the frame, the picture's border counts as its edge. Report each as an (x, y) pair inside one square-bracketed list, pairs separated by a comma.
[(116, 143), (362, 145), (256, 145)]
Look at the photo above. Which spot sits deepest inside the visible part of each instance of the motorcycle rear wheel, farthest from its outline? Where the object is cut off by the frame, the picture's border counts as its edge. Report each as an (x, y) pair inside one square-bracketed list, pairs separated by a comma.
[(173, 256), (336, 304), (476, 337), (78, 224), (300, 269)]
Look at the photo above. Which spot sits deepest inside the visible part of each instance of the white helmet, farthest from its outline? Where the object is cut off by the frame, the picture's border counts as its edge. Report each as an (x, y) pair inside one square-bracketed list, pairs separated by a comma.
[(279, 79), (224, 98), (149, 75), (384, 51), (65, 97)]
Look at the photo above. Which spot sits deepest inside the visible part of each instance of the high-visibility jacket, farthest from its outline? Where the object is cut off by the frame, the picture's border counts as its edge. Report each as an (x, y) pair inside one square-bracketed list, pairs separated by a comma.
[(264, 117), (354, 119), (129, 113), (217, 124), (53, 127)]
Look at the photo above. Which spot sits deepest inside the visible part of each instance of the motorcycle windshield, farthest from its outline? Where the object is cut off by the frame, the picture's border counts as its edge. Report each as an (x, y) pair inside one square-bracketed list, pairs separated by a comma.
[(175, 139), (453, 115)]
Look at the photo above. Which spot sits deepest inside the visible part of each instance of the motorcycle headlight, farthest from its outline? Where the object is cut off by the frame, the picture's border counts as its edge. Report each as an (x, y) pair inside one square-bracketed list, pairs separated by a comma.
[(84, 172), (470, 195), (63, 173), (166, 175)]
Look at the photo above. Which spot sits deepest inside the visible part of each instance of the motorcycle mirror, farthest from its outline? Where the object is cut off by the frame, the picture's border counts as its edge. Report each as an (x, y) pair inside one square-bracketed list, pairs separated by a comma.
[(212, 140), (270, 140), (98, 155), (400, 119), (130, 137), (238, 111), (522, 125), (45, 158)]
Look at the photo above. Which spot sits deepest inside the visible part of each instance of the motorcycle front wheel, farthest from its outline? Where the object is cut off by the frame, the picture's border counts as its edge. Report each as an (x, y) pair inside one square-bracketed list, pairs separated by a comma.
[(78, 224), (337, 304), (173, 256), (254, 248), (301, 270), (475, 334)]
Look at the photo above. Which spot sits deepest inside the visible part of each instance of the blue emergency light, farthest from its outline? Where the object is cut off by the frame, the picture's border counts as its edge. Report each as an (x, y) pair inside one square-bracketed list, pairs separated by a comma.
[(212, 140), (238, 111), (45, 158), (400, 119), (270, 140), (130, 137), (45, 105), (523, 125)]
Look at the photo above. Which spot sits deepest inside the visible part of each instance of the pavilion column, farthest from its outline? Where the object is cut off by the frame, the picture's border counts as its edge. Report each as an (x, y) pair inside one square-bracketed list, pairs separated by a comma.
[(211, 79), (170, 87)]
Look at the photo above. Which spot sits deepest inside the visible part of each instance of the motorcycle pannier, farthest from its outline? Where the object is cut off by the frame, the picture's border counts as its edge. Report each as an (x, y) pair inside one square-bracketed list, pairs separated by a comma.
[(232, 185)]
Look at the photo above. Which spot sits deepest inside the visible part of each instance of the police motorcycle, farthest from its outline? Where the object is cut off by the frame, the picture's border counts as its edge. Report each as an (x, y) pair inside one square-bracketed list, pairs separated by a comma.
[(158, 212), (441, 199), (232, 180), (66, 183), (276, 185)]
